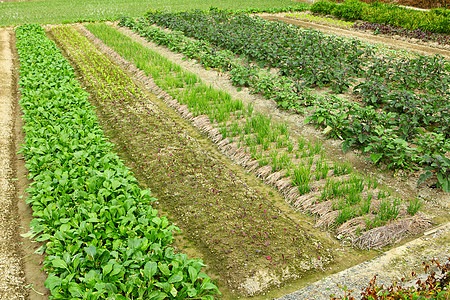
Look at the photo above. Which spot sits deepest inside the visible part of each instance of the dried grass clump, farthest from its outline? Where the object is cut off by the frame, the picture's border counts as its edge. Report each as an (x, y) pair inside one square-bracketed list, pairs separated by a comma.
[(327, 219), (283, 184), (274, 177), (392, 232), (292, 194), (305, 202), (350, 227), (202, 122), (322, 208), (264, 171)]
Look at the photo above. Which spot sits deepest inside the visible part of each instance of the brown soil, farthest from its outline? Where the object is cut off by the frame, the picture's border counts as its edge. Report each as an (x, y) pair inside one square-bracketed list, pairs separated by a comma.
[(12, 279), (23, 278), (392, 42)]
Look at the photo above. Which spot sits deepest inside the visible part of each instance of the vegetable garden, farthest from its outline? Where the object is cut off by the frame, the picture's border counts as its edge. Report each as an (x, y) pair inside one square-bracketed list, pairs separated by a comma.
[(131, 156), (401, 115)]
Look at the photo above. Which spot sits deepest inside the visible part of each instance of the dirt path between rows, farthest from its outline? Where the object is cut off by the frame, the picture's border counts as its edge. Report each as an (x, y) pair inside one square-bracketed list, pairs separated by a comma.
[(20, 274), (370, 38), (392, 266), (12, 277)]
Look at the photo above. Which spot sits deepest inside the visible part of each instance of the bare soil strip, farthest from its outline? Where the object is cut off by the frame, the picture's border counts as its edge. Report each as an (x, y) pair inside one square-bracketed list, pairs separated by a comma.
[(391, 42), (12, 278), (32, 262)]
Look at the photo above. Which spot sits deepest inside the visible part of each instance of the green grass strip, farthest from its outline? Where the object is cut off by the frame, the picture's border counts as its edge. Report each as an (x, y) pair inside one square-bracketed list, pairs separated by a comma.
[(67, 11)]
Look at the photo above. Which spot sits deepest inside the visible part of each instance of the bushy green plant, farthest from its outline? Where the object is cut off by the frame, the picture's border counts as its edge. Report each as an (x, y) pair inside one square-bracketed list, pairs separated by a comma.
[(436, 20), (414, 206), (439, 165), (350, 10), (323, 7)]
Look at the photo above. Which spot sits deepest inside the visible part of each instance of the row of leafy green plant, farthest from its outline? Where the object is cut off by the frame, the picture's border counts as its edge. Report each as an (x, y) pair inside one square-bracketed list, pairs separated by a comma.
[(404, 116), (435, 20), (301, 6), (102, 237), (310, 57), (375, 28), (270, 143)]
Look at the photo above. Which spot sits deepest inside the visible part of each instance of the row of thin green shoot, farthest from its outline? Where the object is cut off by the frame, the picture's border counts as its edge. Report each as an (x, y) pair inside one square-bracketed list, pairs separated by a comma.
[(267, 142), (321, 20), (107, 81)]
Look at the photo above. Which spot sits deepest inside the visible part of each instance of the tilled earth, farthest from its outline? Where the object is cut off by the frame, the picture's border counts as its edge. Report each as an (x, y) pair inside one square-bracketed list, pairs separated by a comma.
[(12, 277)]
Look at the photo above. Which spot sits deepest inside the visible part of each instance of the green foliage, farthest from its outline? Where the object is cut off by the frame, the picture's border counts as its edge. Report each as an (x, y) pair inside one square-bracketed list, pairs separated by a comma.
[(299, 7), (388, 210), (435, 20), (414, 206), (323, 7), (412, 92), (103, 238), (350, 10), (440, 166), (302, 178), (68, 11)]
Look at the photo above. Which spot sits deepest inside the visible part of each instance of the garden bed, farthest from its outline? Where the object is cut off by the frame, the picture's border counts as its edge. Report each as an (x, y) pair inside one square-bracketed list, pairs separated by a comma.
[(246, 239)]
